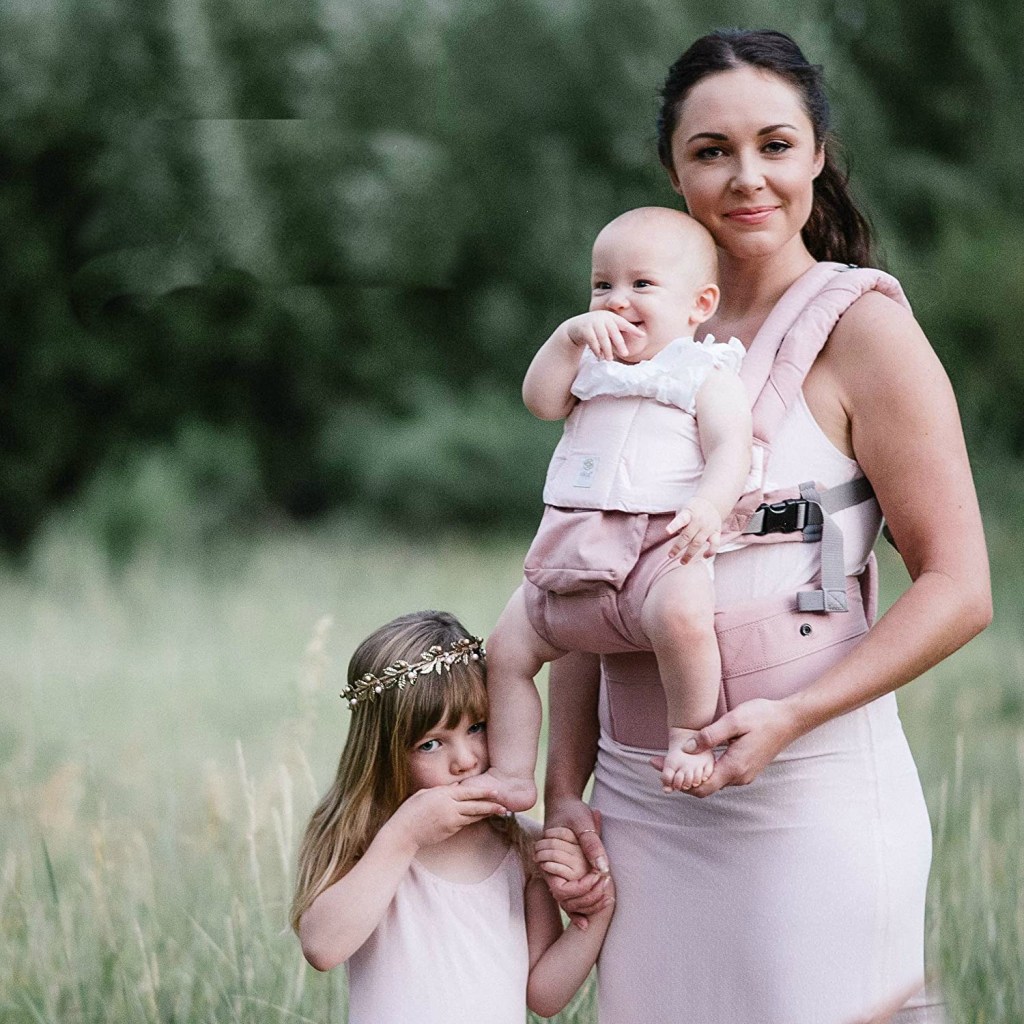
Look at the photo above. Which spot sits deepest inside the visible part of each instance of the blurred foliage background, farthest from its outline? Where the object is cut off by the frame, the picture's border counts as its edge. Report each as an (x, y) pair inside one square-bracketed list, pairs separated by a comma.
[(267, 262)]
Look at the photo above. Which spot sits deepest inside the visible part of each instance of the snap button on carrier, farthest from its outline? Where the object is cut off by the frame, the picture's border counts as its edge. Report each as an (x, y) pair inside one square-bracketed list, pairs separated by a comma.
[(805, 629)]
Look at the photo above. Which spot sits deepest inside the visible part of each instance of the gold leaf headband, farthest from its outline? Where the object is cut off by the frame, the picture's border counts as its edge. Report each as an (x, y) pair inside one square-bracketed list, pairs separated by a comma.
[(401, 674)]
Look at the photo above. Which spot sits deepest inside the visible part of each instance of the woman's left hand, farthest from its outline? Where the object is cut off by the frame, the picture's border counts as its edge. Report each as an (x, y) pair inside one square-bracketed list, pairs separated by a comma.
[(755, 731)]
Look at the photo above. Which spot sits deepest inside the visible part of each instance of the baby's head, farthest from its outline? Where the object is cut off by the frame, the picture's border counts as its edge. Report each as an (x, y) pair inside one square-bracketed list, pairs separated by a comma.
[(656, 267)]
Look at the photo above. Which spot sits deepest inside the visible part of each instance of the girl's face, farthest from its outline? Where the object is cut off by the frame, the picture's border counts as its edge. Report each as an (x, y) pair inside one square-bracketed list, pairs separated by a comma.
[(744, 159), (444, 755)]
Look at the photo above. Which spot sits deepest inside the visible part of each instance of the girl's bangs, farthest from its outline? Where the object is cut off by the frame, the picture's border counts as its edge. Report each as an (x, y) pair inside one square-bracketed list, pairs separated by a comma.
[(446, 698)]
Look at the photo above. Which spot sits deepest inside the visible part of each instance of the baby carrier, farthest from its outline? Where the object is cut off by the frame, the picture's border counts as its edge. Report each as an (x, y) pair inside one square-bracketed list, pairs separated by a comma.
[(772, 647), (757, 640)]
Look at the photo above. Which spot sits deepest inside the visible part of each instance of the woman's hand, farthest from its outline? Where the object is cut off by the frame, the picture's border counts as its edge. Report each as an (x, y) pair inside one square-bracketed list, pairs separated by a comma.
[(755, 731), (432, 815), (587, 895)]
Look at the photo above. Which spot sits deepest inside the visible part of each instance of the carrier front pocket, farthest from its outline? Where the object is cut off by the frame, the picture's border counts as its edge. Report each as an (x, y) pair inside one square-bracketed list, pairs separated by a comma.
[(771, 650), (581, 550)]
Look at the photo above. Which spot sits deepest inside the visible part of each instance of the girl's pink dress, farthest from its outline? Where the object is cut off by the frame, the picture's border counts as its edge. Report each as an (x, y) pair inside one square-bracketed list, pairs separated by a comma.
[(445, 952), (798, 899)]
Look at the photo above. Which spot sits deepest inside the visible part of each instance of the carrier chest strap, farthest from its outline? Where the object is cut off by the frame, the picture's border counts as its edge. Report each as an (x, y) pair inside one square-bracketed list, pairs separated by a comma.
[(810, 515), (800, 514)]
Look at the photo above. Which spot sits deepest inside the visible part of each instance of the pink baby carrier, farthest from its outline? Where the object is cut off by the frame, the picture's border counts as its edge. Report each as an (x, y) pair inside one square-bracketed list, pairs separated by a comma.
[(774, 647)]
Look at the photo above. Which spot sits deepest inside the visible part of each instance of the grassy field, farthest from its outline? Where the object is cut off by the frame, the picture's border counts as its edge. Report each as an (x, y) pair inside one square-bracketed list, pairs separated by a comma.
[(166, 727)]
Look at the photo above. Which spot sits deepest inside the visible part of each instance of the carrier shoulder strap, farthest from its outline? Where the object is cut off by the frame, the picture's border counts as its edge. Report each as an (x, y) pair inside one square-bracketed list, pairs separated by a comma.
[(789, 341), (774, 371)]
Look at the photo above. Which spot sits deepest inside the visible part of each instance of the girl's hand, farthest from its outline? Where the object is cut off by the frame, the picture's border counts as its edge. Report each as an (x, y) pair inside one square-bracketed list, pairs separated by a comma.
[(584, 896), (558, 852), (755, 731), (603, 332), (432, 815), (561, 858), (701, 528)]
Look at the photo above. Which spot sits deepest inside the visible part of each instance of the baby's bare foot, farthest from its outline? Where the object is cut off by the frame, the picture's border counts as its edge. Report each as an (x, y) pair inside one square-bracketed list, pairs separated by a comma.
[(513, 792), (682, 770)]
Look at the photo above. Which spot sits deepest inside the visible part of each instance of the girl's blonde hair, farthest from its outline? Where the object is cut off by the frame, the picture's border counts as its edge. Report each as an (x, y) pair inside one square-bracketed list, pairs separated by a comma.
[(373, 776)]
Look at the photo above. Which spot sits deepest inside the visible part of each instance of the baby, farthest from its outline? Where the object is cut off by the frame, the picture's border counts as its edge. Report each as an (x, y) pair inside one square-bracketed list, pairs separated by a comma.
[(654, 455)]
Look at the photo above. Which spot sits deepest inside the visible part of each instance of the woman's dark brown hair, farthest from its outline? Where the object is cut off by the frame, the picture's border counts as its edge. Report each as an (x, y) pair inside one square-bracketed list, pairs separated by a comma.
[(836, 229)]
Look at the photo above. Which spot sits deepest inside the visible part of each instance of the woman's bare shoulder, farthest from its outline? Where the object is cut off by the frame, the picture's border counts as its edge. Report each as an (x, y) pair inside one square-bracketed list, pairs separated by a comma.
[(876, 321), (878, 348)]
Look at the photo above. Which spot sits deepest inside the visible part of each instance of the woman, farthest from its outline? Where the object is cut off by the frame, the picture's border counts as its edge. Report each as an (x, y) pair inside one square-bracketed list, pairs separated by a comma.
[(794, 892)]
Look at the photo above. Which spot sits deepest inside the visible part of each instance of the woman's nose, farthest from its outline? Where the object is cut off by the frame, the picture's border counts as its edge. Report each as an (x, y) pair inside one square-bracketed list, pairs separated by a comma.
[(747, 176)]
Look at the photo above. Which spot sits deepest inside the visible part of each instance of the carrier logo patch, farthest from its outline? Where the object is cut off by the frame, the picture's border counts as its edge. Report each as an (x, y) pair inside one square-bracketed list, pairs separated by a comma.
[(587, 471)]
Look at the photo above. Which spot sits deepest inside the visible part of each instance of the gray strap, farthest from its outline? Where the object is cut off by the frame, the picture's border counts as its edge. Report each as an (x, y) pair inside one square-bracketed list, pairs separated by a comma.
[(754, 522), (832, 595), (833, 499), (819, 526), (853, 492)]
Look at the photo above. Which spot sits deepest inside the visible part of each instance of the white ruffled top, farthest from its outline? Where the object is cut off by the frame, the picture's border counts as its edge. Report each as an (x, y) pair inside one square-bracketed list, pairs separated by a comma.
[(673, 376)]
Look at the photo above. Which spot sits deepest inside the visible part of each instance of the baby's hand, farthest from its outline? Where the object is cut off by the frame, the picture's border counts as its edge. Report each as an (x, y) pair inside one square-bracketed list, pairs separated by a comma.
[(605, 333), (699, 526)]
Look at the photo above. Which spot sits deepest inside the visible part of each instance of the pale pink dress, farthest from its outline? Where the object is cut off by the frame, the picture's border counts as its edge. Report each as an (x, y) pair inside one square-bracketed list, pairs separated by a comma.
[(445, 952), (798, 899)]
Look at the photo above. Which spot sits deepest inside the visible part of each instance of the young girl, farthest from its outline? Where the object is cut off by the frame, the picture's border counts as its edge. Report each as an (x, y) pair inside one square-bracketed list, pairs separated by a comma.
[(655, 454), (408, 871)]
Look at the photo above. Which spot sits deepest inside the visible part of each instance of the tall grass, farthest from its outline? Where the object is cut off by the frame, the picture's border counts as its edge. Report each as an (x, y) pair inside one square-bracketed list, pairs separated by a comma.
[(167, 727)]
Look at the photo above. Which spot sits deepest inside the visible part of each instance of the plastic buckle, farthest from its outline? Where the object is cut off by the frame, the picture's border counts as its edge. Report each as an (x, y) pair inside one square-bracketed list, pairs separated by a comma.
[(783, 516)]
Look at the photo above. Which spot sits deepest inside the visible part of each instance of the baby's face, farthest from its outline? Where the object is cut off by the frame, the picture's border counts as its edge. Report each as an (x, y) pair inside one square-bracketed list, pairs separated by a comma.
[(645, 273)]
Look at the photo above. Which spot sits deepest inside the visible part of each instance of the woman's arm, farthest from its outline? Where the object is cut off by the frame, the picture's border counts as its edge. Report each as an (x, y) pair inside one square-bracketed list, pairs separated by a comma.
[(903, 427), (574, 682), (560, 958), (548, 380), (345, 914)]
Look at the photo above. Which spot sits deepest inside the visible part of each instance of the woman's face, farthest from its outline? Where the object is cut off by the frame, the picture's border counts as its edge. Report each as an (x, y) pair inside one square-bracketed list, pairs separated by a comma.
[(744, 159)]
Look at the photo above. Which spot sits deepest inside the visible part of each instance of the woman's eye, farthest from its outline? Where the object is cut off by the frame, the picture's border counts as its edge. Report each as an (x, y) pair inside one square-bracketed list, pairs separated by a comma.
[(428, 746), (777, 146), (478, 727), (709, 152)]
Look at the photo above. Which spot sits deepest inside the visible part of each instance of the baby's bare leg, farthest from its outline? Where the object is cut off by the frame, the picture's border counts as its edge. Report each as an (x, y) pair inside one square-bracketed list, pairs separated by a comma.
[(678, 617), (515, 654)]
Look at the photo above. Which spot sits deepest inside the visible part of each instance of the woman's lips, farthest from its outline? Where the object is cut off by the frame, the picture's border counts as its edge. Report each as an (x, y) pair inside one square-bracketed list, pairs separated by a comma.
[(751, 214)]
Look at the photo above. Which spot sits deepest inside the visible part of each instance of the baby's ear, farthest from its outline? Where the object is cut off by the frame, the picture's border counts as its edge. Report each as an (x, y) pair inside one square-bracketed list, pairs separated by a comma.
[(705, 304)]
